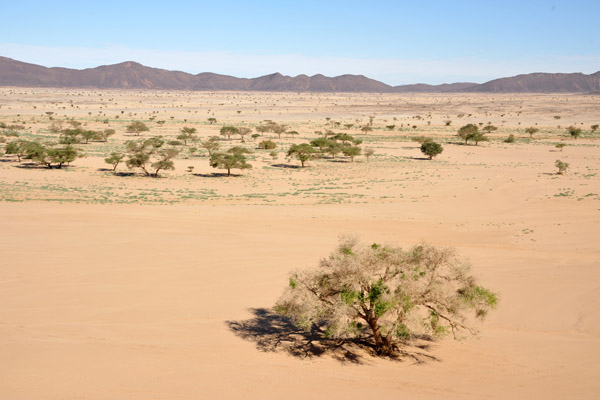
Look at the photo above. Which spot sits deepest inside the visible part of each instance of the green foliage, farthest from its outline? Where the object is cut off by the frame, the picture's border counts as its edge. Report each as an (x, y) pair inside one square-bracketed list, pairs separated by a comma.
[(594, 128), (391, 293), (233, 159), (187, 134), (562, 167), (137, 127), (351, 151), (510, 139), (531, 131), (489, 128), (228, 131), (212, 120), (560, 146), (574, 132), (267, 145), (211, 145), (479, 137), (115, 159), (302, 152), (148, 151), (467, 132), (431, 149)]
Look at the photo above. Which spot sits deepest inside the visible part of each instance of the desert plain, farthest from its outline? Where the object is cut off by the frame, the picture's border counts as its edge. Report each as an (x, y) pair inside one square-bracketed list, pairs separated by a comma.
[(122, 286)]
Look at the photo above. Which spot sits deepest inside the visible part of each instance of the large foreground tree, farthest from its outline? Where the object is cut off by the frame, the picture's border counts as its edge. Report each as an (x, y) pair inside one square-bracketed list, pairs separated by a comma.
[(386, 294)]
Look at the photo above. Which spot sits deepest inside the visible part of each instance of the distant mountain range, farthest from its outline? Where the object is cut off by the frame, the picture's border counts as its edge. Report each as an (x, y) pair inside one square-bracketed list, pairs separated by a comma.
[(132, 75)]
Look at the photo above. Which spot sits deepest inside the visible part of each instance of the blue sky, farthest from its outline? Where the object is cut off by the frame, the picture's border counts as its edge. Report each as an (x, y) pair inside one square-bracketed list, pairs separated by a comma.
[(396, 42)]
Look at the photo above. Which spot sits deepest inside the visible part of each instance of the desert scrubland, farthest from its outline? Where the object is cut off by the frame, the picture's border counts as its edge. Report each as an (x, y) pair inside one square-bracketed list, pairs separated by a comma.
[(118, 285)]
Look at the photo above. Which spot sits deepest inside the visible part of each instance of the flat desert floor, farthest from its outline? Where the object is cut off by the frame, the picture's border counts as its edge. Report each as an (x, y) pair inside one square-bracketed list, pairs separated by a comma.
[(120, 286)]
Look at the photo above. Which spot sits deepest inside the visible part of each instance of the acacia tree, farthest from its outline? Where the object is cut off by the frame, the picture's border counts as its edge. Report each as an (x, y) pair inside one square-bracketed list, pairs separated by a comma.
[(187, 134), (562, 167), (228, 131), (234, 159), (137, 127), (211, 145), (243, 131), (368, 153), (386, 295), (467, 132), (351, 151), (489, 128), (531, 131), (594, 128), (141, 153), (302, 152), (431, 149), (115, 159), (18, 148)]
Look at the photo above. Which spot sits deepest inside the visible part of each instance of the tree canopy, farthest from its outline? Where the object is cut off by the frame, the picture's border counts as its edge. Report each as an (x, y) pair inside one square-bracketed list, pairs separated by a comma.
[(386, 295)]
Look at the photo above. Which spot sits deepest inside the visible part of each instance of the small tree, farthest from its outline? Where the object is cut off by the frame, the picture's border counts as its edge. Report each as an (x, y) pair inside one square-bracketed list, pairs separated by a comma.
[(322, 143), (141, 151), (302, 152), (467, 132), (70, 136), (137, 127), (187, 134), (115, 159), (243, 131), (211, 145), (165, 161), (531, 131), (89, 135), (562, 167), (279, 130), (594, 128), (18, 148), (228, 131), (431, 149), (351, 151), (560, 146), (479, 137), (386, 295), (368, 153), (267, 145), (212, 120), (510, 139), (104, 135), (233, 159), (574, 132), (489, 128)]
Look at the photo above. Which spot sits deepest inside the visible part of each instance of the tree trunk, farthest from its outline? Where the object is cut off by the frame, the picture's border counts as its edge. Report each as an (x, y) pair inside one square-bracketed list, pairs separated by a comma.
[(381, 343), (228, 172)]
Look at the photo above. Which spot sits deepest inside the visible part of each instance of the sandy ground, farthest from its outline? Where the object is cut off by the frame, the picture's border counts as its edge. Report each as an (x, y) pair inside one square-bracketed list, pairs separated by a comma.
[(131, 287)]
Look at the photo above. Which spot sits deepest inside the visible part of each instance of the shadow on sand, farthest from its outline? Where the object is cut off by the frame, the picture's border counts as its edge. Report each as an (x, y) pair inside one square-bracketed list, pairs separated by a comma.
[(274, 333)]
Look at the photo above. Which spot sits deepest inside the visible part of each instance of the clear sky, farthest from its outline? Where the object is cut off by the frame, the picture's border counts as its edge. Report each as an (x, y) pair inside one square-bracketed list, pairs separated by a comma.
[(397, 42)]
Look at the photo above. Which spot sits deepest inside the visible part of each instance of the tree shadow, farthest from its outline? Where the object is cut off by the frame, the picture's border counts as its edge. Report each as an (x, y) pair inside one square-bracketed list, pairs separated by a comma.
[(286, 166), (217, 175), (123, 173), (275, 333), (420, 158)]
